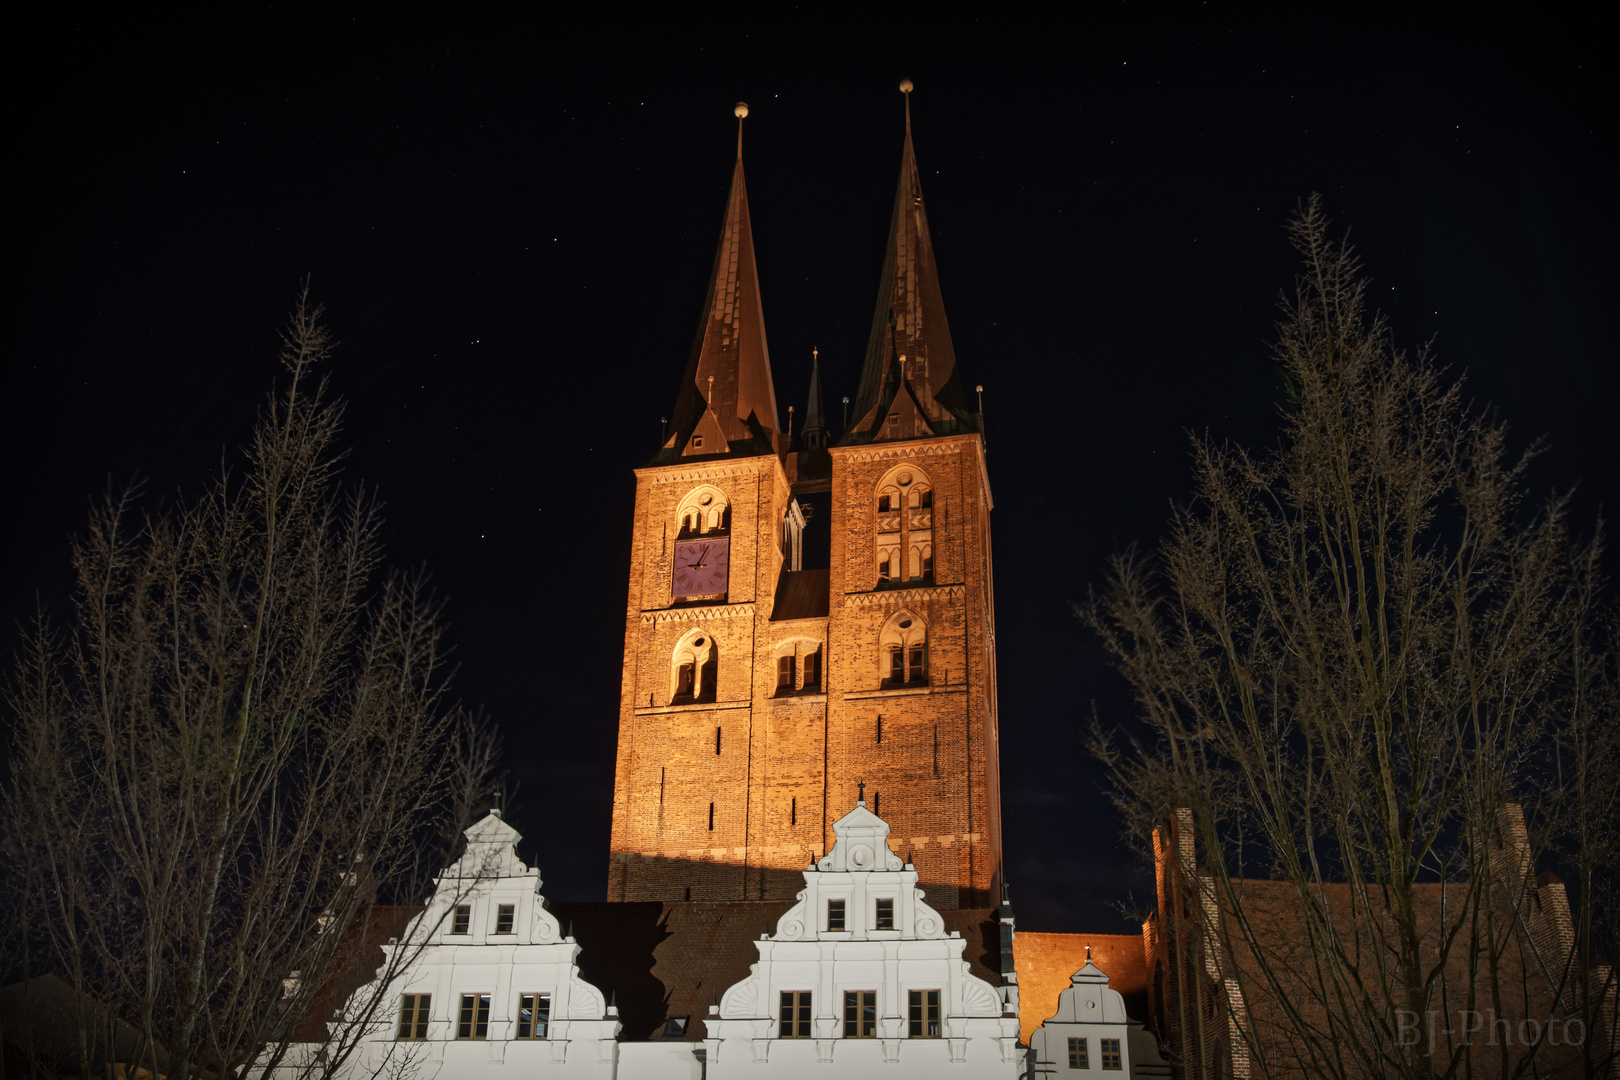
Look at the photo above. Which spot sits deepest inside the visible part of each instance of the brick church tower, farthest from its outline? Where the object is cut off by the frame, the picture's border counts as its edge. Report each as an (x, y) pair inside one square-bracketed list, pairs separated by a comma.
[(800, 623)]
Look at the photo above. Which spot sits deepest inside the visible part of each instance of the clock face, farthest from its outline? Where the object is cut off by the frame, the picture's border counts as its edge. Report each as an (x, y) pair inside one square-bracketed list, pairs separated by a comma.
[(701, 566)]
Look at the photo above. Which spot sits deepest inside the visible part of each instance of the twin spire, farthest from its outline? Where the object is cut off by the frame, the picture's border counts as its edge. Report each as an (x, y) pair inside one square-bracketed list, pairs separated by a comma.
[(909, 386)]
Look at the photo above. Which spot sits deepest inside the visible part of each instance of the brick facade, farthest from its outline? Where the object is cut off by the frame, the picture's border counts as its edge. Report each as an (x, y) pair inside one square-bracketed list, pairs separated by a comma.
[(784, 758)]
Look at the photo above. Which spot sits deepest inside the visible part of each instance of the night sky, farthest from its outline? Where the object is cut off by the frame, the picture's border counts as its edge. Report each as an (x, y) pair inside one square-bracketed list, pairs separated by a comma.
[(511, 224)]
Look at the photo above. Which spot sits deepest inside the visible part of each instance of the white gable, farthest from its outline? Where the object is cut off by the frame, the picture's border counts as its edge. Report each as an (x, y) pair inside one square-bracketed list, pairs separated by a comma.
[(872, 977), (499, 976)]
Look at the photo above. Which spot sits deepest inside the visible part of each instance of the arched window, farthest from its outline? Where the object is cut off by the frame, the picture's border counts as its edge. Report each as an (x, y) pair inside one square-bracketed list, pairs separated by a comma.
[(903, 649), (694, 669), (904, 540), (705, 510), (798, 667)]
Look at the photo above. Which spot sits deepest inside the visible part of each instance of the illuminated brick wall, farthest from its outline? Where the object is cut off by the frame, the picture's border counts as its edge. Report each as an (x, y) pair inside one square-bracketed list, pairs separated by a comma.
[(786, 762)]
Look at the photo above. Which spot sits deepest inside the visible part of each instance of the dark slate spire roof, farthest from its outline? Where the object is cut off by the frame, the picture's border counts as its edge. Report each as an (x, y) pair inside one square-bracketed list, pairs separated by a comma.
[(910, 372), (816, 435), (726, 397)]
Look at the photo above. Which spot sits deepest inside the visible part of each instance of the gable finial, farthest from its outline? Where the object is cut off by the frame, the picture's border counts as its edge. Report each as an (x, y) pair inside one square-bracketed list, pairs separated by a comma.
[(862, 797), (1088, 954), (906, 88), (740, 111)]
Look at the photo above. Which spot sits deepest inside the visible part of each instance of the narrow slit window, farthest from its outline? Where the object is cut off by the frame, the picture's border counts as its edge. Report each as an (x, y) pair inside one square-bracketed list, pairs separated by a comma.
[(884, 915), (504, 917), (877, 803), (860, 1014), (461, 921), (474, 1020), (880, 728), (534, 1016), (711, 817), (413, 1016), (793, 813), (795, 1021), (835, 915), (924, 1009), (717, 742)]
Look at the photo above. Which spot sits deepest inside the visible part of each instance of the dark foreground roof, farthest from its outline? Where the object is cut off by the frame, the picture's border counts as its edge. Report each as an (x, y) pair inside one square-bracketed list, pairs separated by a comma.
[(660, 959)]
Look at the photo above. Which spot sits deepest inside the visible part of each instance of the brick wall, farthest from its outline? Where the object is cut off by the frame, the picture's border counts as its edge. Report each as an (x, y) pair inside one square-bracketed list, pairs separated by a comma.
[(789, 766)]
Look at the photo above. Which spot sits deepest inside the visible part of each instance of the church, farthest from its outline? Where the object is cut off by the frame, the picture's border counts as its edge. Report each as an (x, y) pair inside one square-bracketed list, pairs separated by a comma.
[(806, 853)]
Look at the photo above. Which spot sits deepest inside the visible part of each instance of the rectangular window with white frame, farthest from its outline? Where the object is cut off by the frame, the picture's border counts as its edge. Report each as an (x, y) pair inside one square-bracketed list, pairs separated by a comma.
[(534, 1016), (923, 1006), (1109, 1052), (796, 1015), (473, 1022), (413, 1016)]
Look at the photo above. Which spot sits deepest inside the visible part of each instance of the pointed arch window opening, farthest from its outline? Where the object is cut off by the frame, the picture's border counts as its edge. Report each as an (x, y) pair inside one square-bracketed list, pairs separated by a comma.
[(694, 669), (904, 660)]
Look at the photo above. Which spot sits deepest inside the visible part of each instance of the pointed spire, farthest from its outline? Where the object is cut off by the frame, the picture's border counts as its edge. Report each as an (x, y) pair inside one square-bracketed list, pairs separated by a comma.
[(909, 353), (816, 435), (727, 402)]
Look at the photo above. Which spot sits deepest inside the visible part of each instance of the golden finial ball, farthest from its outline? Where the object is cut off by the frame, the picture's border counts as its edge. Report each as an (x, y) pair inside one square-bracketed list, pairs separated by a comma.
[(741, 110), (905, 86)]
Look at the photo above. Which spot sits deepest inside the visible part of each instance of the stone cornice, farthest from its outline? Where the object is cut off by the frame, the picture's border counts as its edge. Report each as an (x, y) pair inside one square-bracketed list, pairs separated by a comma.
[(678, 474), (692, 614), (908, 448), (904, 597)]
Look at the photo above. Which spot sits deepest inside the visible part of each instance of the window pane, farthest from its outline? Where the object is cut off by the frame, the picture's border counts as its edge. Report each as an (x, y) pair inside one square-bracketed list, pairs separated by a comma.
[(835, 915), (413, 1016), (812, 670), (916, 662), (462, 919), (525, 1024), (885, 915), (1110, 1054), (542, 1015), (933, 1014), (852, 1010), (784, 673), (1079, 1058), (503, 919), (795, 1021), (464, 1022), (481, 1026)]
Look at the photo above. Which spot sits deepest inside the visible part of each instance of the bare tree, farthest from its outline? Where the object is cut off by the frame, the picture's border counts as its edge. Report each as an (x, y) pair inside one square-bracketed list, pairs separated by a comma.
[(239, 743), (1353, 657)]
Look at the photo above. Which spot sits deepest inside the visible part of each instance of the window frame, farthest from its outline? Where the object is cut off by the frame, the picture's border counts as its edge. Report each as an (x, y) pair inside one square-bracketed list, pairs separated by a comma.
[(414, 1013), (860, 1014), (794, 1015), (923, 1012), (505, 918), (472, 1019), (1079, 1052), (1112, 1058), (539, 1022), (461, 920), (879, 915), (841, 905)]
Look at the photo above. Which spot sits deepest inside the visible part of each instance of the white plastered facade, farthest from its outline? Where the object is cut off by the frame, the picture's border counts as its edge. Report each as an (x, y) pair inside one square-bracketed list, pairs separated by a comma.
[(533, 957), (977, 1038)]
